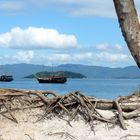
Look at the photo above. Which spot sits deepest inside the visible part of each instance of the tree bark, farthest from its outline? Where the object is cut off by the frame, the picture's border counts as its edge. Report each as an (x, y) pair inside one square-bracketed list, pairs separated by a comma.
[(130, 27), (120, 115), (133, 114)]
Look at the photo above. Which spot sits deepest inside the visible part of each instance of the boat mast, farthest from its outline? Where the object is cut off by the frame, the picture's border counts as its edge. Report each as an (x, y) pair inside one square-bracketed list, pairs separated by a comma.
[(52, 71)]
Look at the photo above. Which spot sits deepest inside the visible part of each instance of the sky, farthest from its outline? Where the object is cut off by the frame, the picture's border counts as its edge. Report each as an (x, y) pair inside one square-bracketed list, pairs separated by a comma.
[(54, 32)]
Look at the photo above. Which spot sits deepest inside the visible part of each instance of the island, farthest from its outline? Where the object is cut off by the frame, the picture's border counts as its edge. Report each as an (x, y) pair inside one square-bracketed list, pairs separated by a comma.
[(67, 74)]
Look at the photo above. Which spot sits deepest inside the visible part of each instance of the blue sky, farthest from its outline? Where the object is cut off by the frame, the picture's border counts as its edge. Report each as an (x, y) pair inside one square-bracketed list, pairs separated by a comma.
[(53, 32)]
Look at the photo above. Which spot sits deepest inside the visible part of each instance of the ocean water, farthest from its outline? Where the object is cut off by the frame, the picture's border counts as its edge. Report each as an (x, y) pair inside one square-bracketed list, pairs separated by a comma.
[(100, 88)]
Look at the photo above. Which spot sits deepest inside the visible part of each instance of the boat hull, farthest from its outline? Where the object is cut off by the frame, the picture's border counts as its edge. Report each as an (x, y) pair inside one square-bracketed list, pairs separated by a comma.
[(6, 78), (54, 80)]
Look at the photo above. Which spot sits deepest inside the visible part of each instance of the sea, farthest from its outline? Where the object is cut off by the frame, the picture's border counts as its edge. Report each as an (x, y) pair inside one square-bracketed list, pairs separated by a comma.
[(99, 88)]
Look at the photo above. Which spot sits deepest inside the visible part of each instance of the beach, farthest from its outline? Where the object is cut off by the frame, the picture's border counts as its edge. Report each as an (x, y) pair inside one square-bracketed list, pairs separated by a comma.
[(55, 128), (70, 70), (34, 115)]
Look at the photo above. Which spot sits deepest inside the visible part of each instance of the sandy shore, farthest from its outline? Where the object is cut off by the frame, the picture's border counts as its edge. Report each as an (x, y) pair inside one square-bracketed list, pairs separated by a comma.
[(57, 129)]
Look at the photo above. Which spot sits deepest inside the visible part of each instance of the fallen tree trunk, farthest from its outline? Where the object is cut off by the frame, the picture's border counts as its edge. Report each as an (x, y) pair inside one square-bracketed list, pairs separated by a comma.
[(126, 103), (71, 105), (133, 114), (120, 114)]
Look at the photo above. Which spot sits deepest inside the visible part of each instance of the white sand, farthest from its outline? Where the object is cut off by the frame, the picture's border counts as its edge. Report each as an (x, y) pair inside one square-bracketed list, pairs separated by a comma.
[(44, 129)]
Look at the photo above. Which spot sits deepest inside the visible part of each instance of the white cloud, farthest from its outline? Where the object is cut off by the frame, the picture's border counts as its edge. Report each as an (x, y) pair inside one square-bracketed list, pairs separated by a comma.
[(47, 58), (83, 58), (110, 57), (84, 7), (102, 46), (118, 47), (11, 7), (102, 8), (63, 58), (95, 8), (18, 57), (33, 37), (24, 56)]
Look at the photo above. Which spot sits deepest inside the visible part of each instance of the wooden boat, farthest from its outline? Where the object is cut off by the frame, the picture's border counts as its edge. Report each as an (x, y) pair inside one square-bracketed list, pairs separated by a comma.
[(6, 78), (52, 79)]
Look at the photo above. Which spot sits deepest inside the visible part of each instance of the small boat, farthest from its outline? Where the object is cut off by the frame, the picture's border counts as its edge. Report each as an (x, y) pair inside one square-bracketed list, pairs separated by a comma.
[(6, 78), (52, 79)]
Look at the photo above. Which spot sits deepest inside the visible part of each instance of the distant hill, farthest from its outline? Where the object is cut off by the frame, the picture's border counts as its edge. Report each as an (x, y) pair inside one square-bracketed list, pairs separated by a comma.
[(68, 74), (22, 70)]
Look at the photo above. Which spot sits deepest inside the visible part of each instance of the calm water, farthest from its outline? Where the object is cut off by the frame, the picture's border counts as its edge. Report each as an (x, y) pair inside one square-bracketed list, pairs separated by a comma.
[(101, 88)]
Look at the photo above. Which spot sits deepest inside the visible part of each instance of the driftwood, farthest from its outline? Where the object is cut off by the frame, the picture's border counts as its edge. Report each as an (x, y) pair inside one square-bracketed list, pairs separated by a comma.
[(9, 111), (133, 114), (129, 135), (120, 114), (29, 136), (63, 134), (72, 105)]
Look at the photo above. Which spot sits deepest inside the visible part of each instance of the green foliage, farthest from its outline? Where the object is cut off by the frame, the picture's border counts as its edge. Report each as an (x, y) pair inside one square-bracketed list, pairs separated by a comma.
[(67, 74)]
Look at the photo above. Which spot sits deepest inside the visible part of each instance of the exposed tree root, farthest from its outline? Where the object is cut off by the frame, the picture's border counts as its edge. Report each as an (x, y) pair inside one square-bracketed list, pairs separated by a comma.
[(129, 135), (70, 105), (29, 136), (63, 134)]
